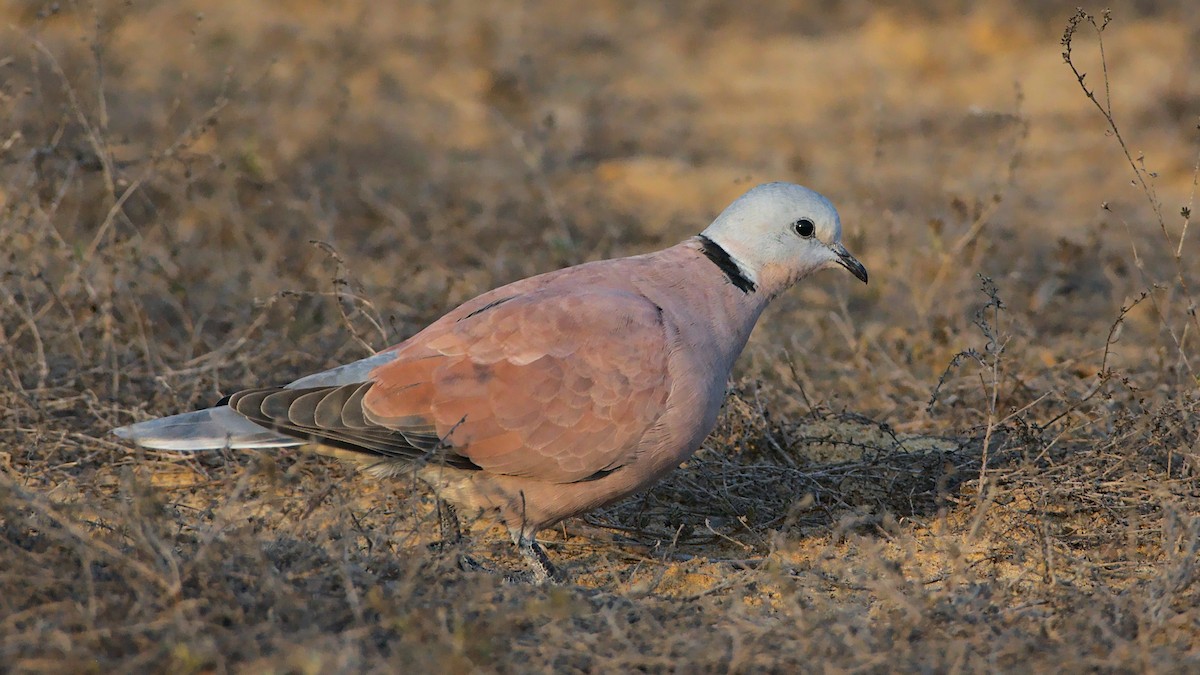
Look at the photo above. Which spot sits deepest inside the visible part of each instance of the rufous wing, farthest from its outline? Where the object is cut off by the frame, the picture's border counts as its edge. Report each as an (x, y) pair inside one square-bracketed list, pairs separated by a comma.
[(557, 387)]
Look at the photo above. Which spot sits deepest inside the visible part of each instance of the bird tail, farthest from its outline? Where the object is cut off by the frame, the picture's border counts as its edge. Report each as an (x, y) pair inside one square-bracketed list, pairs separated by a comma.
[(208, 429)]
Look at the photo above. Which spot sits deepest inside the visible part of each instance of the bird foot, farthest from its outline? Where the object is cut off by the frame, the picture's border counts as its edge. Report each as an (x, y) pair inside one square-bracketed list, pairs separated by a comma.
[(448, 524), (543, 571), (468, 564)]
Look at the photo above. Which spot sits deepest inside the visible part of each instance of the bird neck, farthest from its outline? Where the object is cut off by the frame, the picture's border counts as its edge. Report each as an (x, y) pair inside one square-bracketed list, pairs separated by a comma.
[(720, 312), (735, 272)]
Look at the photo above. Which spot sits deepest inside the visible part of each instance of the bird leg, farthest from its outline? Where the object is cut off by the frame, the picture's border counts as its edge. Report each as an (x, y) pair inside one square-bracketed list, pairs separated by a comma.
[(448, 524), (451, 532), (535, 556), (539, 563)]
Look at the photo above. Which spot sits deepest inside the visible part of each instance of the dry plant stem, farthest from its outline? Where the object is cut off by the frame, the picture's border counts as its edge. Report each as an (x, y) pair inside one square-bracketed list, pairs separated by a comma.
[(994, 388), (1139, 170), (99, 147), (340, 283), (1106, 108), (23, 310), (185, 138), (1104, 375), (989, 380), (43, 507), (229, 348), (1186, 212)]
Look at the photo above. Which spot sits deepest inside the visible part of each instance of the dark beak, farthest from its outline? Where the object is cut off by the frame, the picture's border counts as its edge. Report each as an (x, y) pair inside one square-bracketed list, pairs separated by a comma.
[(850, 262)]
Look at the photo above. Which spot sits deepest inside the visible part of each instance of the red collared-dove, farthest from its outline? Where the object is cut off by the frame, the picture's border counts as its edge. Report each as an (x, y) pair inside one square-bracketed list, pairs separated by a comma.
[(556, 394)]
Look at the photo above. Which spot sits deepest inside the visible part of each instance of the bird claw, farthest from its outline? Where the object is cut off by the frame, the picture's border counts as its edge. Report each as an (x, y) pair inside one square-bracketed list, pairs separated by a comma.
[(468, 564), (543, 571)]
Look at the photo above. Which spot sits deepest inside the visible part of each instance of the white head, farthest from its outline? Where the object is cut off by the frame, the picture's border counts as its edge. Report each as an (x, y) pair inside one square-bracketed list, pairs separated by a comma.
[(779, 233)]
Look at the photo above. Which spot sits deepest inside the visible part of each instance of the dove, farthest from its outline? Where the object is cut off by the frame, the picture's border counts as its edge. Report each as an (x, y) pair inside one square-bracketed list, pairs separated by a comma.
[(553, 395)]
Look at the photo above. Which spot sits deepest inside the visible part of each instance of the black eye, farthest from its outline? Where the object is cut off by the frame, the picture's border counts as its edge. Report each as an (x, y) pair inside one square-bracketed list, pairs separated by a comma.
[(804, 227)]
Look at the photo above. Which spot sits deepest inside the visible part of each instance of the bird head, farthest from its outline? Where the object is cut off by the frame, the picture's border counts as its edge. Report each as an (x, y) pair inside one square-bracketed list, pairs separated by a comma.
[(779, 233)]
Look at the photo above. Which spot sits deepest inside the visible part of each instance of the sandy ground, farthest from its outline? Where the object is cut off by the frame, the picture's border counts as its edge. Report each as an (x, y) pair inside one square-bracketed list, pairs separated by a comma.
[(985, 460)]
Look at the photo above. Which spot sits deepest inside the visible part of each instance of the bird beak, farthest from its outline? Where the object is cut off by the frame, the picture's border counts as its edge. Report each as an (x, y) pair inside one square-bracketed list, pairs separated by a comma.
[(850, 262)]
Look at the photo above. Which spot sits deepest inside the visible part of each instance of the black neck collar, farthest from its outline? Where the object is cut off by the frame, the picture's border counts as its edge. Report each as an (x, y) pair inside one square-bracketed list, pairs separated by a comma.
[(721, 258)]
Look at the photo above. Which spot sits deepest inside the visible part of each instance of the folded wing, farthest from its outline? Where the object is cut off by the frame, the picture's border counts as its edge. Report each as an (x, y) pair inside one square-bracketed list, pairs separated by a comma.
[(556, 387)]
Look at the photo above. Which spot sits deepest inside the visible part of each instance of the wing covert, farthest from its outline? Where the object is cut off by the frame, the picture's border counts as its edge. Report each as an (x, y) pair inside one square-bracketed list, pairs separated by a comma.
[(556, 387)]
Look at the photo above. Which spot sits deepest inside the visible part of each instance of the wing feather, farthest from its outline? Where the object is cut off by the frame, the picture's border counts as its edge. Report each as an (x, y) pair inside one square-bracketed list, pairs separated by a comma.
[(549, 386), (558, 387)]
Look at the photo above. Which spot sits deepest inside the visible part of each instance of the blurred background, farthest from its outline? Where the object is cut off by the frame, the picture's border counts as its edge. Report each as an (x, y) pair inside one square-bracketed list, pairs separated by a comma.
[(444, 148)]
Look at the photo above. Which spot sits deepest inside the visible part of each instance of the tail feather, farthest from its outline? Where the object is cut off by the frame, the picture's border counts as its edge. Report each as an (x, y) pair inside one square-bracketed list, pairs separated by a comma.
[(221, 427), (209, 429)]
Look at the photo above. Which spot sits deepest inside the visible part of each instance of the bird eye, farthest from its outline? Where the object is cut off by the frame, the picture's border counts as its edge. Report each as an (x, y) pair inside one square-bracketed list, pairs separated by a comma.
[(804, 227)]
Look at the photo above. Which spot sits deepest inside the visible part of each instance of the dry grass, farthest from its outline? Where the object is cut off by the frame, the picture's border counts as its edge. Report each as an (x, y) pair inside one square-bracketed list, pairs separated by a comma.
[(985, 460)]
